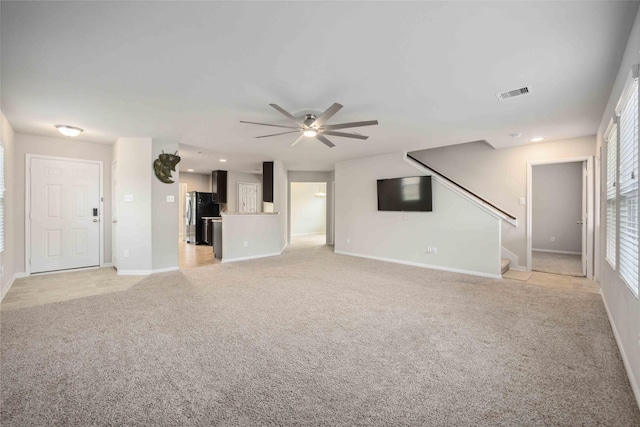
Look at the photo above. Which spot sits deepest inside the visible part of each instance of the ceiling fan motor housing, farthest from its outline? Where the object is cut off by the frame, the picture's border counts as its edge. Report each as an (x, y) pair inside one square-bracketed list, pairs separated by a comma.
[(309, 119)]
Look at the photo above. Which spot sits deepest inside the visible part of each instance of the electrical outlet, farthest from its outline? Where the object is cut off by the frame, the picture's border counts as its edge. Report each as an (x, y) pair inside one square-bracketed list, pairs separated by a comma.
[(246, 243), (126, 253), (348, 240), (434, 250), (521, 201), (553, 238), (171, 199)]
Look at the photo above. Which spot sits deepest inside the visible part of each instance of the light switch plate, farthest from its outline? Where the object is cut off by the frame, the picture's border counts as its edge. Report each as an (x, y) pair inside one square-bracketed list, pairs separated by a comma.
[(171, 199), (521, 201), (128, 197)]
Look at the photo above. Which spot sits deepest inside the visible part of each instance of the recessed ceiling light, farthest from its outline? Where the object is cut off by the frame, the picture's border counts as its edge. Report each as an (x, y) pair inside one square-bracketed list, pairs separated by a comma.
[(515, 135), (223, 160), (536, 139), (310, 133), (68, 130), (189, 170)]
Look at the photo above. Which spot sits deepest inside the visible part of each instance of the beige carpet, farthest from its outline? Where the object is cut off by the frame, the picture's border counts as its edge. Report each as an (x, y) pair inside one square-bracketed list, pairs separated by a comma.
[(565, 264), (314, 338)]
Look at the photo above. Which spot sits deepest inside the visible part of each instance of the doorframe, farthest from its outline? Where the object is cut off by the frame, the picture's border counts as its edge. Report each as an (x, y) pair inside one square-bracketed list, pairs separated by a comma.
[(590, 206), (238, 194), (27, 206)]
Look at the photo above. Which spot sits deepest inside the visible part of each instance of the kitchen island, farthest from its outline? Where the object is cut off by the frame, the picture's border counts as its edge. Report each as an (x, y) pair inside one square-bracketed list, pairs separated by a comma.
[(242, 236)]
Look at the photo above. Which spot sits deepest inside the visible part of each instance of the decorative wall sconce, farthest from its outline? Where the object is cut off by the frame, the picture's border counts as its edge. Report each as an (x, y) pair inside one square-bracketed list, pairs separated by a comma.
[(164, 164)]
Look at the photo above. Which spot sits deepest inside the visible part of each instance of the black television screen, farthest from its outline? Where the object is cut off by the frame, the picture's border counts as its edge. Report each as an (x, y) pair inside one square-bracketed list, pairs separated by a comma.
[(405, 194)]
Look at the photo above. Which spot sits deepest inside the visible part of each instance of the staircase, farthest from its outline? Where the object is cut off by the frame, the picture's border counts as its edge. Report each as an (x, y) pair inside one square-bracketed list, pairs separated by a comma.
[(504, 265)]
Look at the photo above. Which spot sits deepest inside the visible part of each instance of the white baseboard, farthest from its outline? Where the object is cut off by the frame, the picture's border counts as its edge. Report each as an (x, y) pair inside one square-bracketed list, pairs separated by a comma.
[(134, 272), (309, 234), (107, 264), (415, 264), (246, 258), (627, 366), (165, 270), (8, 286), (556, 252)]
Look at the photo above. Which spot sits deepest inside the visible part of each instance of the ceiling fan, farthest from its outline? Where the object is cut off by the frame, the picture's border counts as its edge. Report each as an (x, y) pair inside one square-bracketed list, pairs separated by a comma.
[(315, 127)]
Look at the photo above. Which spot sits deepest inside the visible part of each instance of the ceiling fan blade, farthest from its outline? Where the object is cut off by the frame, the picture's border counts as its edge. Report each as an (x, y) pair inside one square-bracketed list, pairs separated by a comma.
[(267, 124), (326, 115), (346, 135), (286, 114), (351, 125), (300, 138), (325, 141), (276, 134)]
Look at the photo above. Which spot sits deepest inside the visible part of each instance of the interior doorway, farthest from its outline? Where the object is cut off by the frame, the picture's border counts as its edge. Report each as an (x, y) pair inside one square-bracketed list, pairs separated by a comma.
[(560, 217), (309, 211)]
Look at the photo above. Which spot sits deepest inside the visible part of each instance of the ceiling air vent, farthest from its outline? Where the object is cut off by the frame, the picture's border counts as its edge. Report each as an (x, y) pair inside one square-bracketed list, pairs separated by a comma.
[(513, 93)]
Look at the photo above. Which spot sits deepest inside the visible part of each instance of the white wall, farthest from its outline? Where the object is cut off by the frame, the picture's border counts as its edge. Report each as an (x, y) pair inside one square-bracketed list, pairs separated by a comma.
[(233, 178), (467, 238), (8, 258), (57, 147), (316, 176), (500, 176), (622, 306), (250, 236), (557, 206), (164, 214), (308, 212), (134, 229), (195, 181)]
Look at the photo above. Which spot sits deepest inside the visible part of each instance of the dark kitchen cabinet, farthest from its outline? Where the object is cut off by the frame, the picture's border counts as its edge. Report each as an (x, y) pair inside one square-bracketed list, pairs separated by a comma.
[(267, 182), (219, 186)]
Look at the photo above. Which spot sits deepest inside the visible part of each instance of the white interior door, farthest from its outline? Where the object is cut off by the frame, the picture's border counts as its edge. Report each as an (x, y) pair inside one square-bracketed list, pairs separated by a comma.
[(247, 197), (182, 216), (64, 214), (114, 214)]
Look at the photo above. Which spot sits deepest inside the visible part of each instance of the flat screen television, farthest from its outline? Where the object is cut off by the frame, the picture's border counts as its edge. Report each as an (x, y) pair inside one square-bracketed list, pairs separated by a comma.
[(405, 194)]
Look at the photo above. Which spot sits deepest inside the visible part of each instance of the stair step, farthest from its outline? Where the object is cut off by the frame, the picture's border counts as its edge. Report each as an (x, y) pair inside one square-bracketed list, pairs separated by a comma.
[(504, 265)]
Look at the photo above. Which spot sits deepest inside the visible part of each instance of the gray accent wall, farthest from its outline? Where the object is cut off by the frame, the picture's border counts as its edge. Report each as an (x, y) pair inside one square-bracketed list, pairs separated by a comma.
[(500, 176), (556, 207)]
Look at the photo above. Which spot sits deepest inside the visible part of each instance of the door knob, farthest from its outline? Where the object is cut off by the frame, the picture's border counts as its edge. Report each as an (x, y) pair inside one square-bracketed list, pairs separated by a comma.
[(578, 222), (95, 219), (115, 221)]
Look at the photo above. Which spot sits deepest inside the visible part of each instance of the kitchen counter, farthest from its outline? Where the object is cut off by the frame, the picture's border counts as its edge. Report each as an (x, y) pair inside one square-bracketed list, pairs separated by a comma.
[(250, 213)]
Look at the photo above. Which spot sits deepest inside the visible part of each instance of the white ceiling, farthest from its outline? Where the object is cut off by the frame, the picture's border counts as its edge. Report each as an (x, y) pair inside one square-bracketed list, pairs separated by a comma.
[(428, 71)]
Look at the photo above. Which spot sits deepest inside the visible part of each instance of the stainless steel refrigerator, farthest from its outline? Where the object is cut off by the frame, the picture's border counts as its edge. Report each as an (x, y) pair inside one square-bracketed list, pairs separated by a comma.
[(198, 205)]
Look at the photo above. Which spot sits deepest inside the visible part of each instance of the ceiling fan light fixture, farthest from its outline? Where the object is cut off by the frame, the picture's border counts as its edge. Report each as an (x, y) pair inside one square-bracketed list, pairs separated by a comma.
[(68, 130), (310, 133)]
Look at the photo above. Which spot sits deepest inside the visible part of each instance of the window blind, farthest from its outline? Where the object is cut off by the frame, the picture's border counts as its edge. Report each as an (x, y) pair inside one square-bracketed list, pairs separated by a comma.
[(612, 166), (628, 189)]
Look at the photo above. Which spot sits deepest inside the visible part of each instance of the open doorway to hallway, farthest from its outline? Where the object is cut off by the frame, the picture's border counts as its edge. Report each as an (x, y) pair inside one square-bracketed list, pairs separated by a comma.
[(558, 218), (309, 212)]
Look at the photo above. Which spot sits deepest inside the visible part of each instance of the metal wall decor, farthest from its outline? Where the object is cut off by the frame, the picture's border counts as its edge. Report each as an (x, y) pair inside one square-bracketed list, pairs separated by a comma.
[(164, 164)]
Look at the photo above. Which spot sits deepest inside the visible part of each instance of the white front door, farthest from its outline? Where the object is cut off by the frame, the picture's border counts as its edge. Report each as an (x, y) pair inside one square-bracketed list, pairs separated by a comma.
[(247, 197), (583, 220), (64, 214)]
